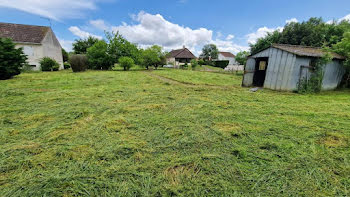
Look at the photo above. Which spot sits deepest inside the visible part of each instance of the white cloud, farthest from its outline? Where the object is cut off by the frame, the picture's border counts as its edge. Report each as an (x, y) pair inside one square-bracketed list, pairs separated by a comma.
[(54, 9), (99, 24), (261, 32), (347, 17), (154, 29), (292, 20), (230, 37), (66, 44), (229, 46), (82, 34)]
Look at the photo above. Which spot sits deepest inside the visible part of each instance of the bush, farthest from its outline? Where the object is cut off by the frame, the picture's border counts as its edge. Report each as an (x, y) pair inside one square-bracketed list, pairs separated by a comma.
[(98, 57), (209, 63), (221, 63), (66, 65), (126, 62), (11, 59), (194, 64), (48, 64), (78, 63), (201, 62)]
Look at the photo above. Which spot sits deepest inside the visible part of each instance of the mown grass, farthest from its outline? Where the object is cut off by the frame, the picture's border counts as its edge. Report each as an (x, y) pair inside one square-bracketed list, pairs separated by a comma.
[(112, 133)]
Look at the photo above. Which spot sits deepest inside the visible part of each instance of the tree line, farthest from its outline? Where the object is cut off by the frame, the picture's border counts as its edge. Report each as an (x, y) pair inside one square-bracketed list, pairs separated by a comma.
[(104, 54)]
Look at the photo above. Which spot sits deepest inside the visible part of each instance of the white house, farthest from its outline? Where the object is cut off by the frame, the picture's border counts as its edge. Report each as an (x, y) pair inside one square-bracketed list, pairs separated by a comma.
[(37, 42), (227, 56)]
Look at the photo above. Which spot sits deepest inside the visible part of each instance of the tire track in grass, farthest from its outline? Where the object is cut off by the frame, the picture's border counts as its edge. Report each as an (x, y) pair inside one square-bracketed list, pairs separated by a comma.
[(188, 84)]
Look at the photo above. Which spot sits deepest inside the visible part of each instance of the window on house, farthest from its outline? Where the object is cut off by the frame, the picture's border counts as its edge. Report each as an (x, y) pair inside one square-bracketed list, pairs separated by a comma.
[(262, 65)]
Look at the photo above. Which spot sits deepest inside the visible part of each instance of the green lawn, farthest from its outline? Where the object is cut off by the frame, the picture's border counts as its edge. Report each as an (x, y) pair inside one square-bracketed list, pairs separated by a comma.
[(169, 133)]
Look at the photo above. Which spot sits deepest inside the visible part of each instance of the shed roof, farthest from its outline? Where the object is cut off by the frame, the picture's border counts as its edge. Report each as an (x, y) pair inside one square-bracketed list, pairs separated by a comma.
[(227, 54), (182, 53), (305, 50), (23, 33)]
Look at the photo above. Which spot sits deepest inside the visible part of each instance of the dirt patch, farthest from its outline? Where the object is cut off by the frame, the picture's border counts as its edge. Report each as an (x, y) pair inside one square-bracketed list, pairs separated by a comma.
[(175, 175), (334, 140)]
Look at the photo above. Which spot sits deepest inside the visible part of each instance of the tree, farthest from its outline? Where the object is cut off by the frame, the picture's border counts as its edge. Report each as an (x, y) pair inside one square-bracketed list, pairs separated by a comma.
[(314, 32), (343, 48), (120, 47), (80, 46), (11, 59), (65, 55), (241, 57), (160, 54), (150, 57), (210, 51), (98, 56), (267, 41), (126, 62)]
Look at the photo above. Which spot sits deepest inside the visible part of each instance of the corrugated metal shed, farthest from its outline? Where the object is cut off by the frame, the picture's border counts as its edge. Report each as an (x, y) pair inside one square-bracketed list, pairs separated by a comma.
[(288, 64)]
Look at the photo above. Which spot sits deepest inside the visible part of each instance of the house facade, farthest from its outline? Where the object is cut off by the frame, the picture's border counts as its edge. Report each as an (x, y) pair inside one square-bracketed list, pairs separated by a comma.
[(228, 56), (37, 42), (282, 67), (180, 56)]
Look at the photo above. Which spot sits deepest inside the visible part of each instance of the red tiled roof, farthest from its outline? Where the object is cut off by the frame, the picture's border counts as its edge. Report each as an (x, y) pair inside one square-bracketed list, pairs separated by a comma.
[(227, 54), (23, 33)]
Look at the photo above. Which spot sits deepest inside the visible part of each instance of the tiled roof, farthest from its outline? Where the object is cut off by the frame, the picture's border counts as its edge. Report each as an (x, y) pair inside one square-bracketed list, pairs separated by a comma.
[(305, 50), (23, 33), (227, 54), (182, 53)]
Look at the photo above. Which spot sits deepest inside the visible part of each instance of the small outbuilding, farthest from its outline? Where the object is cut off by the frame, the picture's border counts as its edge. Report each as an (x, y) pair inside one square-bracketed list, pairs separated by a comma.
[(37, 42), (282, 67)]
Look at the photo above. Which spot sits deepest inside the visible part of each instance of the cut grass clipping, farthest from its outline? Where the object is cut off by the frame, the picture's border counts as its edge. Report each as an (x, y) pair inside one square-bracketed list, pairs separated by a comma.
[(168, 133)]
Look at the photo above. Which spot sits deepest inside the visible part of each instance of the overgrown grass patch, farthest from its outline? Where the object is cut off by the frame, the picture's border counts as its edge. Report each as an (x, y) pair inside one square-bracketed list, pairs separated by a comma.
[(113, 133)]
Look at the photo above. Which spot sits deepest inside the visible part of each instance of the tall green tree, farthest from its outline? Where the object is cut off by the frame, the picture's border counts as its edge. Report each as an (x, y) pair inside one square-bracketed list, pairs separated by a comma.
[(151, 57), (80, 46), (241, 57), (210, 52), (11, 59), (121, 47), (98, 56)]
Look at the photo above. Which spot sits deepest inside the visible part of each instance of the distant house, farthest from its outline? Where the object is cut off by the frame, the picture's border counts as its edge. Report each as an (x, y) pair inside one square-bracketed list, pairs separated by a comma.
[(37, 42), (180, 56), (282, 67), (227, 56)]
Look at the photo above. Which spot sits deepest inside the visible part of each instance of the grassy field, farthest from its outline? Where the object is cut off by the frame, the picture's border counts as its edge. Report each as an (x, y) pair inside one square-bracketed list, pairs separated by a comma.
[(169, 133)]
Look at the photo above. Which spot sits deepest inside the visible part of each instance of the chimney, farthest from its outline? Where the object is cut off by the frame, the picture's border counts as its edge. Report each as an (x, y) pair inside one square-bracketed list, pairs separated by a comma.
[(184, 46)]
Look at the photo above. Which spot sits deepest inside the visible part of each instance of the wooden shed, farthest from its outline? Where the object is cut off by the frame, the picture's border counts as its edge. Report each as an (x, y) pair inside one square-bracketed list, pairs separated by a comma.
[(282, 67)]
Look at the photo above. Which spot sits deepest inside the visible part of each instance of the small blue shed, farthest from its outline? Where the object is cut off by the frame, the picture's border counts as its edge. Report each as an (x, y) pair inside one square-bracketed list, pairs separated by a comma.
[(282, 67)]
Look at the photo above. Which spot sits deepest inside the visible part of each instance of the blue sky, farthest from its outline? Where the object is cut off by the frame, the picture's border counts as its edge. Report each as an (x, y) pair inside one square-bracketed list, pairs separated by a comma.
[(229, 24)]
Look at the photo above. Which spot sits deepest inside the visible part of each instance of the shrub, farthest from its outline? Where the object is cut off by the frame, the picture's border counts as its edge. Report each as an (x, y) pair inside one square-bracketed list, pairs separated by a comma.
[(194, 64), (126, 62), (78, 63), (221, 63), (201, 62), (209, 63), (11, 59), (66, 65), (48, 64), (98, 57)]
